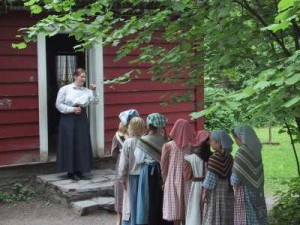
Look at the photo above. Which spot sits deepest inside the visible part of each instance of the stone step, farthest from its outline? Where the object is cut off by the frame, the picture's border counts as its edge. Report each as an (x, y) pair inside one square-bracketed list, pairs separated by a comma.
[(59, 188), (83, 207)]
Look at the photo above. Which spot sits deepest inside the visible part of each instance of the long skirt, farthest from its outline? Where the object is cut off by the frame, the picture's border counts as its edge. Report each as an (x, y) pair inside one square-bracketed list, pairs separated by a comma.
[(249, 207), (133, 187), (219, 208), (74, 150), (150, 196)]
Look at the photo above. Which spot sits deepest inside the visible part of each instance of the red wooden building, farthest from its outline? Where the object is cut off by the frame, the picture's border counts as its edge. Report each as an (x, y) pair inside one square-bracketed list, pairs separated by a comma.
[(29, 80)]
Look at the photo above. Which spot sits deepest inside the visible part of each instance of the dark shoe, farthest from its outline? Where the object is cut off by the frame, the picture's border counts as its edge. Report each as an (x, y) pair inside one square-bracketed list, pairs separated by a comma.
[(79, 174), (76, 177), (70, 175)]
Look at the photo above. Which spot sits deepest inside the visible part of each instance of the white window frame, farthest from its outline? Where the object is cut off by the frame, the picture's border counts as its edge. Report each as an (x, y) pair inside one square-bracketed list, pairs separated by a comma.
[(96, 113)]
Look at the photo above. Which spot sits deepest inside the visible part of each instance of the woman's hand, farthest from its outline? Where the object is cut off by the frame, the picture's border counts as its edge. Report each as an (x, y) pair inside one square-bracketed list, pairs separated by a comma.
[(93, 87), (77, 110)]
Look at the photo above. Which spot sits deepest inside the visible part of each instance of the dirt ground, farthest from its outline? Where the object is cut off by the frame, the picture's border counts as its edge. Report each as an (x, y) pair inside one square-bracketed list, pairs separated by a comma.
[(41, 212)]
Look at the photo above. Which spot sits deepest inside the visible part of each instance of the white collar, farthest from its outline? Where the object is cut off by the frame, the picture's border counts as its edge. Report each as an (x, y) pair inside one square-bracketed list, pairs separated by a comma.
[(75, 87)]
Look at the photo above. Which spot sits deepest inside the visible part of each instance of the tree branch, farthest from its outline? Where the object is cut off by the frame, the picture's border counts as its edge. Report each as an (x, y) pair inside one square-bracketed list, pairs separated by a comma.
[(296, 33), (252, 11), (293, 145)]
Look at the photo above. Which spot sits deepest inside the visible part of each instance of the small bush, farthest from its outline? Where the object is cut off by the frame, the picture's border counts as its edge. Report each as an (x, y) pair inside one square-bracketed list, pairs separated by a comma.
[(19, 193), (287, 208)]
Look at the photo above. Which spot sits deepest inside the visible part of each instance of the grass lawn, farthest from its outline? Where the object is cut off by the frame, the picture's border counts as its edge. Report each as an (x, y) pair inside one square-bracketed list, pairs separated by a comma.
[(279, 161)]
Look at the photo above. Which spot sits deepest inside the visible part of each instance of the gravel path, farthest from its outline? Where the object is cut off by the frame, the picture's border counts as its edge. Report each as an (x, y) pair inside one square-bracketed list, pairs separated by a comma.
[(40, 212)]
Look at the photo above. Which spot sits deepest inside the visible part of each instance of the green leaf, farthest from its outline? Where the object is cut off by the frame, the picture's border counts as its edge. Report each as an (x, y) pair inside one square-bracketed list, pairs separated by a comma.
[(196, 115), (249, 91), (261, 85), (292, 80), (186, 46), (178, 6), (234, 105), (292, 102), (29, 3), (277, 26), (21, 45), (285, 4), (36, 9)]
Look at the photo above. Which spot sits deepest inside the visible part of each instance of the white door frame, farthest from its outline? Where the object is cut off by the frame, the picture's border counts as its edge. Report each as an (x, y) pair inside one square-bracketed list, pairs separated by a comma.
[(96, 113)]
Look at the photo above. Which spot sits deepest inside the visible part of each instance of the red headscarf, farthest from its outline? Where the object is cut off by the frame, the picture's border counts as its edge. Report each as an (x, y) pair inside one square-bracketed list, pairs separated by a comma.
[(181, 133), (201, 136)]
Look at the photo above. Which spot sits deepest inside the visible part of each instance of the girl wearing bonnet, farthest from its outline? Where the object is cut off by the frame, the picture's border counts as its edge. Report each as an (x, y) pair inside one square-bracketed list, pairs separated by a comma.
[(194, 170), (217, 191), (148, 154), (175, 187)]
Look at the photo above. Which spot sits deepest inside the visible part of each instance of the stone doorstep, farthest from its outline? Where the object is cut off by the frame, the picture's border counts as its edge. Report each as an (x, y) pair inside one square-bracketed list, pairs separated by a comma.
[(81, 208), (64, 190)]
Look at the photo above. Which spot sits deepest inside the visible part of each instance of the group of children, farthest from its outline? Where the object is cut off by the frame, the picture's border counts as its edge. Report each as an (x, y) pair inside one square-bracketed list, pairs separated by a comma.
[(176, 179)]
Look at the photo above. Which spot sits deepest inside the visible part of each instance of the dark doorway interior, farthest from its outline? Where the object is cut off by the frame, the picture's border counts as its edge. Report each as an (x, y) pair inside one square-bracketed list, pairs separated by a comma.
[(62, 60)]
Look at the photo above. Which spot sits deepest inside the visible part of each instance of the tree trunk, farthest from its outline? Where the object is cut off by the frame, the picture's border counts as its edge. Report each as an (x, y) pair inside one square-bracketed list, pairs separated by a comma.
[(298, 125), (293, 145), (270, 134)]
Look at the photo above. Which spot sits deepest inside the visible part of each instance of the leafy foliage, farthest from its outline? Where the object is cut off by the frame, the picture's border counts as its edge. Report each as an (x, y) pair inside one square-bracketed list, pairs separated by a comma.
[(225, 117), (286, 210), (249, 47), (18, 194)]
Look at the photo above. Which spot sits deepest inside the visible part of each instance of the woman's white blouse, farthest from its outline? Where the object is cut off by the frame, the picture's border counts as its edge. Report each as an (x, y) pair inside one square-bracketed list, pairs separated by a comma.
[(70, 95)]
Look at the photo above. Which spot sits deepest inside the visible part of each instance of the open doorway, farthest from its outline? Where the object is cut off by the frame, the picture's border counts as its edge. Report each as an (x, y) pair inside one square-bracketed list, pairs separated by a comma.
[(62, 61)]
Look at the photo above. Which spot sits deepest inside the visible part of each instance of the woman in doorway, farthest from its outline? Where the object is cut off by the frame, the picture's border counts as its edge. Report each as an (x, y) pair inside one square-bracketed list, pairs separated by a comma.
[(74, 150), (248, 178)]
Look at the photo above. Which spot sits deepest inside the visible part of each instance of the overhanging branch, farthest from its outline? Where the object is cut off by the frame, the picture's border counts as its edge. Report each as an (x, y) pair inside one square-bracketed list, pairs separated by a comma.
[(273, 35)]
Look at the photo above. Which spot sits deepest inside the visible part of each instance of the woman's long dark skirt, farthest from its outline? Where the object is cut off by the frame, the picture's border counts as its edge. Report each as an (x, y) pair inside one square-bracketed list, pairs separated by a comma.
[(74, 150)]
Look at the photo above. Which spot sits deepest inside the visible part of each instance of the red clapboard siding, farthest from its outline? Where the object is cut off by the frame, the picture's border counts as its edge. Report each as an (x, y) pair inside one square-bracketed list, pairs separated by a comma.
[(111, 73), (19, 116), (110, 50), (147, 108), (139, 97), (18, 18), (19, 157), (6, 49), (23, 102), (19, 89), (19, 143), (11, 33), (18, 76), (19, 130), (141, 85), (122, 63), (18, 62)]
